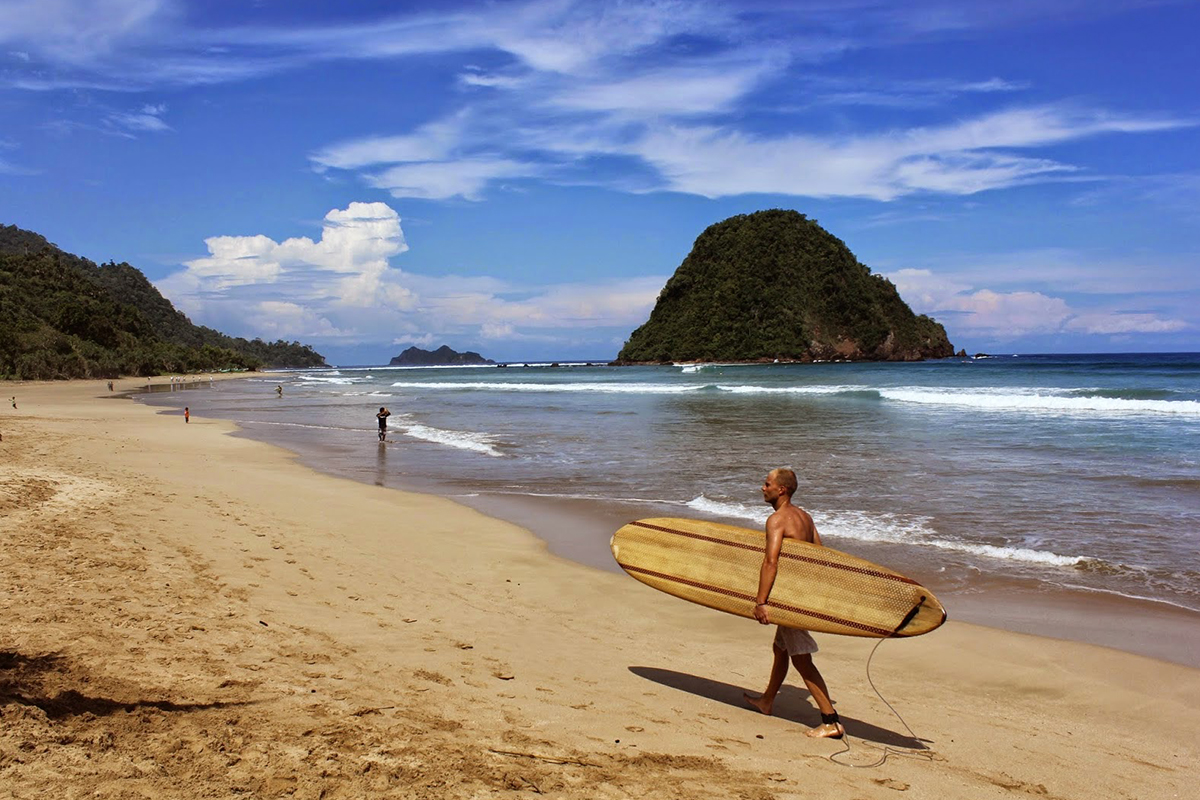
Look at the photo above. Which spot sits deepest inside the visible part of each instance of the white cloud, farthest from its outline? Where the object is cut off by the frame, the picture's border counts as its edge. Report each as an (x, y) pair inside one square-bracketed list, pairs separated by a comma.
[(960, 158), (419, 341), (1118, 323), (687, 90), (1070, 271), (497, 330), (443, 180), (147, 118), (349, 264), (968, 311), (343, 289), (665, 82), (431, 142), (236, 261), (278, 319), (79, 31)]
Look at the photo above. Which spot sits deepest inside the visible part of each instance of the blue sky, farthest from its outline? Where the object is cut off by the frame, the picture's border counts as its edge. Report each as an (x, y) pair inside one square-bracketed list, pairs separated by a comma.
[(521, 178)]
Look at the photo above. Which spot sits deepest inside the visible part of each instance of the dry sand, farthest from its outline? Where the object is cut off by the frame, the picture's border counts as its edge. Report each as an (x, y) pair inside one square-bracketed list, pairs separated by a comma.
[(191, 614)]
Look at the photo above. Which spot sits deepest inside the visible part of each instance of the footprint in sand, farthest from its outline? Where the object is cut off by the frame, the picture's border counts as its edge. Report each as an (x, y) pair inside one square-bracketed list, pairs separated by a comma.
[(891, 784)]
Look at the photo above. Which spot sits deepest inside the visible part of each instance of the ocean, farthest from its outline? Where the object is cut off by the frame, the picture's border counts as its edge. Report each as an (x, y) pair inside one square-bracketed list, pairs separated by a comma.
[(999, 479)]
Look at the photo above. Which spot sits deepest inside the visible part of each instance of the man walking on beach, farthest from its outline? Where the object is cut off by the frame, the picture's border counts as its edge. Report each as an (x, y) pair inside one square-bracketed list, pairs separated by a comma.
[(789, 522), (382, 417)]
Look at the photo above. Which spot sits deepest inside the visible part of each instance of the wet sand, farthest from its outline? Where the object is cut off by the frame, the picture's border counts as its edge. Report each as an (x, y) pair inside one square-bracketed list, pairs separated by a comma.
[(194, 614)]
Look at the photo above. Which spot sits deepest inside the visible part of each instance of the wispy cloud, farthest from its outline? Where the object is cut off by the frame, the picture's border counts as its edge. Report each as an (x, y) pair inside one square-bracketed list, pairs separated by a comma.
[(148, 118), (970, 310), (7, 167), (662, 83), (912, 94)]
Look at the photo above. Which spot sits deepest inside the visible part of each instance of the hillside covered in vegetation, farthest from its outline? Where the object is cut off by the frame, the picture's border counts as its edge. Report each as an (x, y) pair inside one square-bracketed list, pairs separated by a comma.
[(776, 285), (62, 316)]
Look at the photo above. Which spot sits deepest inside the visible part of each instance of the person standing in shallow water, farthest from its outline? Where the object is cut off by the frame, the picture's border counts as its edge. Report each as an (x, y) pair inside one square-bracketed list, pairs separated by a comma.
[(382, 417), (789, 522)]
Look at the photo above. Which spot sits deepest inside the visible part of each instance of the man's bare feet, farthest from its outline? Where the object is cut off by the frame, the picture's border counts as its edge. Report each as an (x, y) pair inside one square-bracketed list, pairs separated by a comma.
[(760, 702), (831, 730)]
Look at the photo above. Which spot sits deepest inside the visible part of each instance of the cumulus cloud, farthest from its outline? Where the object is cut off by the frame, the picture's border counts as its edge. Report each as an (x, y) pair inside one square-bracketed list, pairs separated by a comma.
[(349, 263), (343, 288)]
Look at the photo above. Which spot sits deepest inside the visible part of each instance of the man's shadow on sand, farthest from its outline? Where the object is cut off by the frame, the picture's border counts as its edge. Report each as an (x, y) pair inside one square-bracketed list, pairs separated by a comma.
[(23, 679), (791, 704)]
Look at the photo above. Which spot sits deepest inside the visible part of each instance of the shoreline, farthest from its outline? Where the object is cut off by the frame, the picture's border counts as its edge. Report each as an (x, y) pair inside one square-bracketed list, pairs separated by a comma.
[(193, 613), (578, 529)]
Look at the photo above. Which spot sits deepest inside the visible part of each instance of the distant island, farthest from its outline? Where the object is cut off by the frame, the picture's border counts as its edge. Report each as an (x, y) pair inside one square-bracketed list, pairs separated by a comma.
[(442, 357), (776, 286), (62, 316)]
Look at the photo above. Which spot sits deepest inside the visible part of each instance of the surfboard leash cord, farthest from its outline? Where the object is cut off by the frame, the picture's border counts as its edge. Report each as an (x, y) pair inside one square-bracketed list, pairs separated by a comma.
[(887, 750)]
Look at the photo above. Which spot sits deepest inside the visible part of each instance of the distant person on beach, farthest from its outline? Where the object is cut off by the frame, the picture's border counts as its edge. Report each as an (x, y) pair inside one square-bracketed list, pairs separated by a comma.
[(382, 417), (187, 414), (14, 401), (110, 386), (789, 522), (279, 391)]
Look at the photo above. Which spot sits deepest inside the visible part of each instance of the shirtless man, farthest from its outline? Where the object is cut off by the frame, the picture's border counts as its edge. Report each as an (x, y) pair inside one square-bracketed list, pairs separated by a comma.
[(789, 522)]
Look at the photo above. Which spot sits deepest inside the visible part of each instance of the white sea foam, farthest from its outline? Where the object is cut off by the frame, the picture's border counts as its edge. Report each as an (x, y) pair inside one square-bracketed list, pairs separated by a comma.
[(1131, 596), (332, 379), (461, 440), (979, 399), (797, 390), (887, 528), (733, 510), (588, 388), (1038, 402), (294, 425)]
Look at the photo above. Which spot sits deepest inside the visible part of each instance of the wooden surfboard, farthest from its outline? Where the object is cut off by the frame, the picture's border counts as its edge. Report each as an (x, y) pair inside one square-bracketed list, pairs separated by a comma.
[(816, 588)]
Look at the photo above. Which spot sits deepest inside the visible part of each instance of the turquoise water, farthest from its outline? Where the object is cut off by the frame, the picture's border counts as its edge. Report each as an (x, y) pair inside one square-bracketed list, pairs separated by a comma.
[(1067, 472)]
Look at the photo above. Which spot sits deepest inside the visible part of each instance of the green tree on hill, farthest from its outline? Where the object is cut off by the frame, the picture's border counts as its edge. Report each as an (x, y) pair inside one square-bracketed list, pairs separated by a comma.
[(776, 285), (61, 316)]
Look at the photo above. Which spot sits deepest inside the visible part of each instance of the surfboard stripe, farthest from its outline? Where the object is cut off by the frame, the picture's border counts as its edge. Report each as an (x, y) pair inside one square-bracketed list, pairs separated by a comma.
[(715, 540), (749, 598)]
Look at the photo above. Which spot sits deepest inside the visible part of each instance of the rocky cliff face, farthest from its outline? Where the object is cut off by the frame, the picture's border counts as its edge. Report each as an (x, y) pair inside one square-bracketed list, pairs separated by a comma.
[(776, 285)]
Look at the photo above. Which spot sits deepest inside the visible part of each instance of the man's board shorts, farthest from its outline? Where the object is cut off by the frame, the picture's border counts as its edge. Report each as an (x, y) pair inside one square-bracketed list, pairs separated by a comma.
[(794, 641)]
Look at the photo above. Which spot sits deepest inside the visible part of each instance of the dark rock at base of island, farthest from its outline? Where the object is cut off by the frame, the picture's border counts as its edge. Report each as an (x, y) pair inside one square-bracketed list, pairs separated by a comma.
[(442, 357), (776, 286)]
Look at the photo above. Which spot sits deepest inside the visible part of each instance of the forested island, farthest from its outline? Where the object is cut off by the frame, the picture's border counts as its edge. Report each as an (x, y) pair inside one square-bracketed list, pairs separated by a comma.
[(62, 316), (444, 356), (775, 285)]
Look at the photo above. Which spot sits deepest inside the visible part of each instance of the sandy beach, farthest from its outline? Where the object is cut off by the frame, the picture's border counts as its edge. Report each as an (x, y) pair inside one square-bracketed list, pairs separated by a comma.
[(193, 614)]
